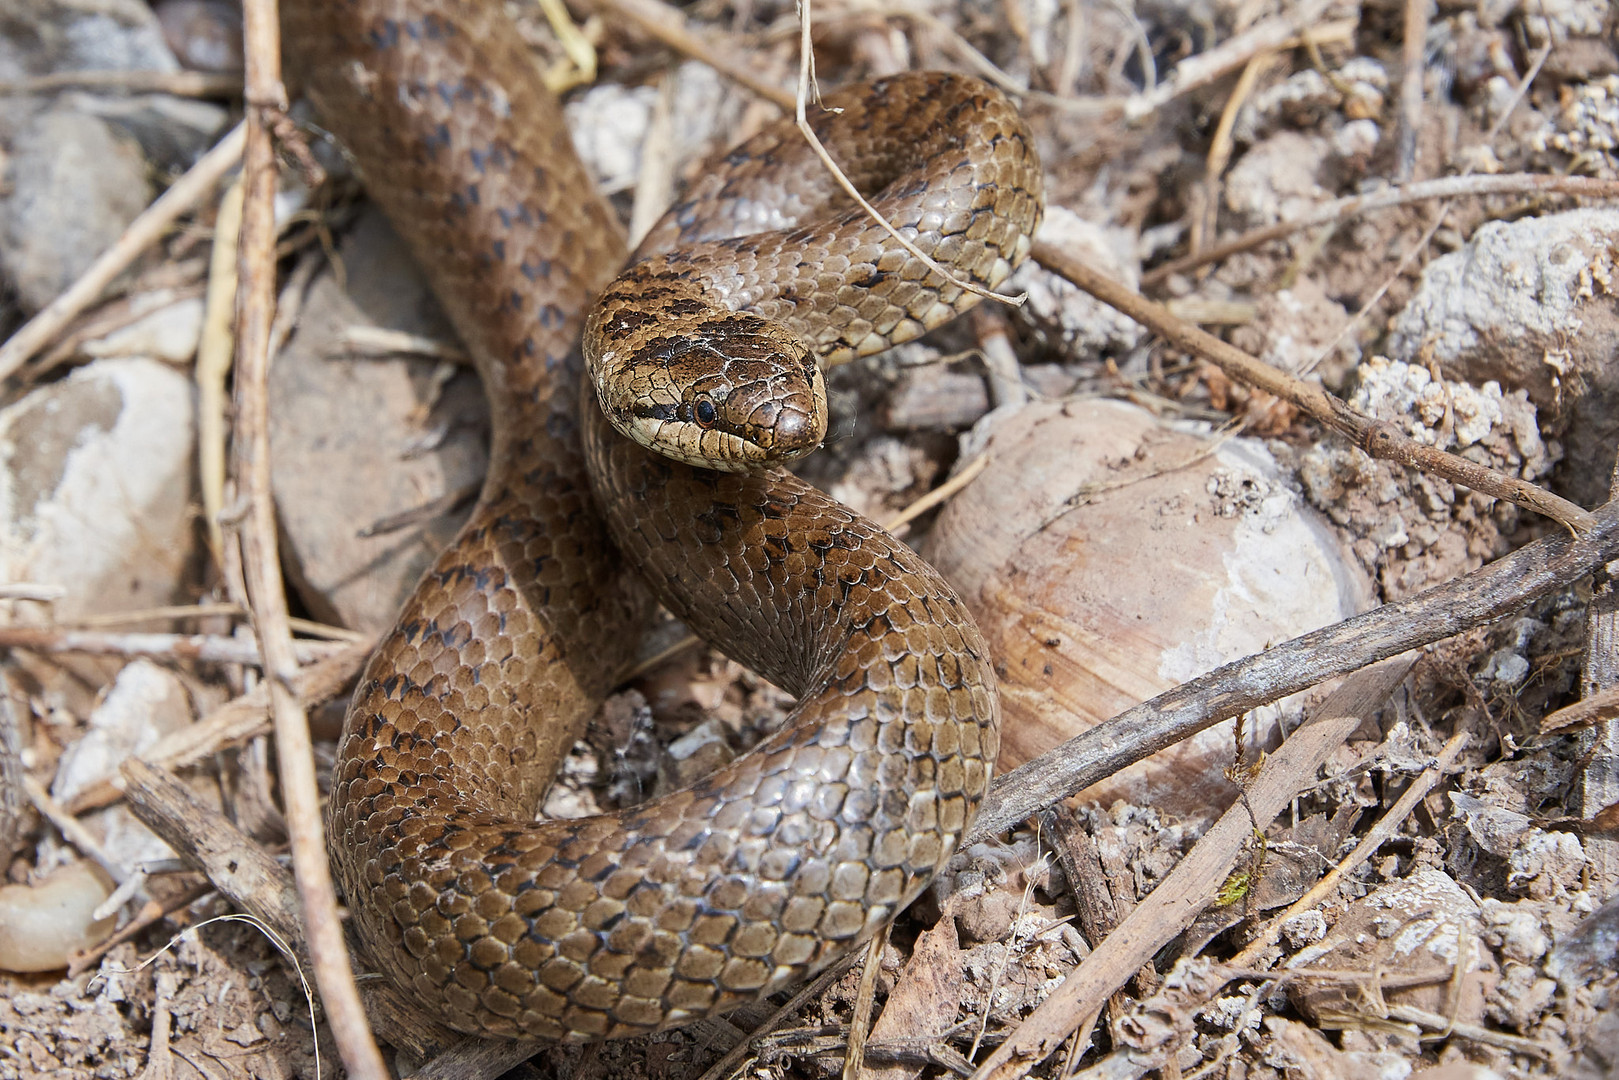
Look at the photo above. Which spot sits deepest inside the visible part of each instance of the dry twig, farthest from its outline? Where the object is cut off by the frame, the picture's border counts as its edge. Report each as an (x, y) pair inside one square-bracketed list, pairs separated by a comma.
[(1378, 438), (266, 99), (1192, 885), (197, 84), (1340, 210), (1496, 589), (202, 648)]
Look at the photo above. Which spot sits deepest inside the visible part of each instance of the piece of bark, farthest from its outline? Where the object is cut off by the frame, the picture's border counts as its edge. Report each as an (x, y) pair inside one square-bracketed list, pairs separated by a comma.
[(1091, 885), (14, 805), (925, 1000), (1082, 865)]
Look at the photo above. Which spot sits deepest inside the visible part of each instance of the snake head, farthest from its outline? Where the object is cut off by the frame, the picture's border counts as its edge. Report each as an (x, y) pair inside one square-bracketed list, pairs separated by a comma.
[(736, 393)]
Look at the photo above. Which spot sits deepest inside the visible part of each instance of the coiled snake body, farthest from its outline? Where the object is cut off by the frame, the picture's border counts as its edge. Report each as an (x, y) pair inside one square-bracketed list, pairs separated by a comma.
[(793, 854)]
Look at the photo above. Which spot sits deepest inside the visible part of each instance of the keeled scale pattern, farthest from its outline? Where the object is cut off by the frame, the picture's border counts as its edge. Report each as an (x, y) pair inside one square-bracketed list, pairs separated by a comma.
[(716, 895)]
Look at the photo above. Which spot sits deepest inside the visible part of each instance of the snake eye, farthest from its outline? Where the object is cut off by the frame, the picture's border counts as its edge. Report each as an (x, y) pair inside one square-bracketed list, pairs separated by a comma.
[(706, 413)]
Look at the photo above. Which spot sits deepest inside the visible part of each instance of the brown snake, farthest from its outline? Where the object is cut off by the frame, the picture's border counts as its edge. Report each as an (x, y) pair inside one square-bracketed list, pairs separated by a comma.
[(784, 860)]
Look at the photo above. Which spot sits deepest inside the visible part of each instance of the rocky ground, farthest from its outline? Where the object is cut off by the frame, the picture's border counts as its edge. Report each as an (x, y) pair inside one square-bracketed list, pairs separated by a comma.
[(1130, 517)]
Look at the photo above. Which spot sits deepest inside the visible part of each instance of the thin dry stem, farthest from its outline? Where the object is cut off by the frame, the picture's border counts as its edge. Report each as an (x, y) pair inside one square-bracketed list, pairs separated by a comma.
[(1375, 838), (1221, 144), (940, 494), (197, 84), (202, 648), (237, 720), (1341, 210), (1377, 438), (262, 569)]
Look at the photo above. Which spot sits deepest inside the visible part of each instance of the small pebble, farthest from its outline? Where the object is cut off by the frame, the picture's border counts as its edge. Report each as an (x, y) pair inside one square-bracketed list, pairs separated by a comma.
[(43, 924), (74, 188)]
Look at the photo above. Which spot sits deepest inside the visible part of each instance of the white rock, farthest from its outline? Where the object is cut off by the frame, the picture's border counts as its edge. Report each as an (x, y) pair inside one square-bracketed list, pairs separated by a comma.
[(1531, 276), (168, 333), (1493, 828), (1048, 548), (1545, 864), (95, 479), (1305, 928), (1531, 305), (1278, 178), (609, 123), (1515, 929), (145, 703), (41, 925), (1409, 395)]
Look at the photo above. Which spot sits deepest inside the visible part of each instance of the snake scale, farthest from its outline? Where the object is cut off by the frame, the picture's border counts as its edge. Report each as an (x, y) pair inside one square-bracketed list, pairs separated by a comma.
[(795, 853)]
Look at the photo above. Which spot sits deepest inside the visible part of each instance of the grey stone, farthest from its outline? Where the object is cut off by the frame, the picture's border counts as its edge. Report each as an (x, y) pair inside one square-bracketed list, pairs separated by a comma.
[(75, 187), (355, 441), (1531, 304)]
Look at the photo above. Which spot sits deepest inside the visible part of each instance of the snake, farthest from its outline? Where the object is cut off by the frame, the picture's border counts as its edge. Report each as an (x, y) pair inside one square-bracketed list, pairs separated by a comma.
[(794, 854)]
